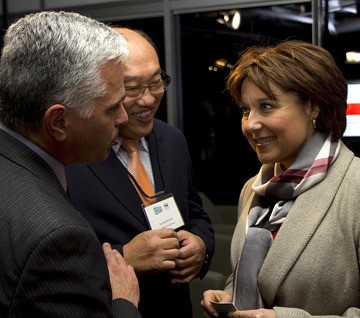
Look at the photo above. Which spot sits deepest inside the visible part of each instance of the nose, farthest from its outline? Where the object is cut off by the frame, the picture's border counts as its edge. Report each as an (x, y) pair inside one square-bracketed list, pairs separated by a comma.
[(251, 123), (121, 116), (146, 99)]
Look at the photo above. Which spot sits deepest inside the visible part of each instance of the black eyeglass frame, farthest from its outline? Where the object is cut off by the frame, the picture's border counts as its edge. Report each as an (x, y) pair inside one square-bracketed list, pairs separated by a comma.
[(165, 82)]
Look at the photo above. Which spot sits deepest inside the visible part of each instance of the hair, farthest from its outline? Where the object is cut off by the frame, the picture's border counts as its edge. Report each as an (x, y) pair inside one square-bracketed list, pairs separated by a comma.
[(307, 70), (54, 58)]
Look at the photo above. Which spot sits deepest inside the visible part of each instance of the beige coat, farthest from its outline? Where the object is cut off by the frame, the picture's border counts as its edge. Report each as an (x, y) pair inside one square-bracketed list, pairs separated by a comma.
[(312, 268)]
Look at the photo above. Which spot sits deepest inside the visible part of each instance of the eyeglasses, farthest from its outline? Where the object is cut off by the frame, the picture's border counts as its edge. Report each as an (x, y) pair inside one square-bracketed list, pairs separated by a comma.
[(154, 88)]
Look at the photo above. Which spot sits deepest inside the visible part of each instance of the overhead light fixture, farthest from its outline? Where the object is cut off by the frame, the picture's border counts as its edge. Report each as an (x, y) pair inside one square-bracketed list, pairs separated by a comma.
[(352, 57), (236, 20), (232, 19), (223, 17)]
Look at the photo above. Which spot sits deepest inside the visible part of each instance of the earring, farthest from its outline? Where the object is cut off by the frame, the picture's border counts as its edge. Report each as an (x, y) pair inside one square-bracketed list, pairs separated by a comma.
[(314, 123)]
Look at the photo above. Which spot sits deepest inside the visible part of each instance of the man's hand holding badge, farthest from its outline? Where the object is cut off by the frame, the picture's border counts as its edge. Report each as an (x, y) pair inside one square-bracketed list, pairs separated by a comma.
[(165, 214)]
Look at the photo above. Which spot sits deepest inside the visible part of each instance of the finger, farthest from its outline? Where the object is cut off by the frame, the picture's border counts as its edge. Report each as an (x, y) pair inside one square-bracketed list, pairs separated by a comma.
[(119, 258), (171, 243), (167, 233), (166, 265), (108, 252), (117, 255)]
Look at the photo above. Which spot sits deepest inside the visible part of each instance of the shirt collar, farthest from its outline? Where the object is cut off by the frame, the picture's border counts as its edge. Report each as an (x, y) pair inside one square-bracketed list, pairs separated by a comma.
[(119, 139)]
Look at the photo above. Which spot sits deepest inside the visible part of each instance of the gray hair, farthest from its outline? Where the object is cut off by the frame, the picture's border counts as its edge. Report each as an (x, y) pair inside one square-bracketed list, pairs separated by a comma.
[(54, 58)]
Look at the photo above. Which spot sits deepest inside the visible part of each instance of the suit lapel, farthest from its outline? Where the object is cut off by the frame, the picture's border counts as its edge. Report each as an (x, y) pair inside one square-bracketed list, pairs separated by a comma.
[(159, 161), (305, 217), (17, 152), (121, 186), (114, 177)]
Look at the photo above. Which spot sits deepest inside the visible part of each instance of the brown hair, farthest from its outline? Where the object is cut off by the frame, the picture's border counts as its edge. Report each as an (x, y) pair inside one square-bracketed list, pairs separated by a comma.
[(298, 67)]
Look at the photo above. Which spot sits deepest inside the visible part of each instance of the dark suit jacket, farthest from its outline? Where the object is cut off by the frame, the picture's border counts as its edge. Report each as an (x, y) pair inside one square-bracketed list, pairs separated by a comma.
[(51, 263), (106, 197)]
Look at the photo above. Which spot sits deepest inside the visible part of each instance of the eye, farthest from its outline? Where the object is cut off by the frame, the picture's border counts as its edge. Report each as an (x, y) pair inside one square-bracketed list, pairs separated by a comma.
[(132, 88), (156, 81), (114, 108), (133, 91), (266, 106), (245, 111)]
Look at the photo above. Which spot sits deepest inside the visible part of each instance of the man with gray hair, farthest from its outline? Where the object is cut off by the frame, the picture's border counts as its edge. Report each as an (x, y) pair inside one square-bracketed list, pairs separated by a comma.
[(61, 93)]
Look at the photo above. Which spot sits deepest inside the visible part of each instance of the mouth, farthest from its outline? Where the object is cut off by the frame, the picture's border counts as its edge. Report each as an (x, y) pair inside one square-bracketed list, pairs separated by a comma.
[(142, 115), (262, 141)]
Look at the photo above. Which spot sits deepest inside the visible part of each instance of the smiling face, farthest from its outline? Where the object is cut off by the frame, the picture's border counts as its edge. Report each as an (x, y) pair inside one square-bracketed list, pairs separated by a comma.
[(141, 68), (276, 130)]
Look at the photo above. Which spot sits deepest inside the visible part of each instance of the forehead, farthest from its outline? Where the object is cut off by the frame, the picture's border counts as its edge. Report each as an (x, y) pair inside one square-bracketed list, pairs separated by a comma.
[(142, 57), (270, 90)]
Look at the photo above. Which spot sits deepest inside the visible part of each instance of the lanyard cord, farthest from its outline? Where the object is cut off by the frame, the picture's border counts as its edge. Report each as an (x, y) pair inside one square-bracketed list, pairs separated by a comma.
[(137, 185)]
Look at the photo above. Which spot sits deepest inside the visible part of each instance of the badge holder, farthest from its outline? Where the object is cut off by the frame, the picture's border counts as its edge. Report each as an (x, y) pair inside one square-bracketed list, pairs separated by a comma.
[(164, 213)]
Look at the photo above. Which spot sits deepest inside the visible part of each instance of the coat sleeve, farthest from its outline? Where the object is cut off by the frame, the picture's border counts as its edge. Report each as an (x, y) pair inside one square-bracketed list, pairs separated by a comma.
[(66, 275)]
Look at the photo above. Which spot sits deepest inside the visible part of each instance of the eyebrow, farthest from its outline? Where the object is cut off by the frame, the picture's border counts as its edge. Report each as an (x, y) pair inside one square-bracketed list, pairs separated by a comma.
[(139, 78), (117, 102)]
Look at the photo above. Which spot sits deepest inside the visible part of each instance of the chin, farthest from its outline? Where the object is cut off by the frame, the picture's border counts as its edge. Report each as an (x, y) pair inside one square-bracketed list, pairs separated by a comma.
[(265, 161), (103, 157)]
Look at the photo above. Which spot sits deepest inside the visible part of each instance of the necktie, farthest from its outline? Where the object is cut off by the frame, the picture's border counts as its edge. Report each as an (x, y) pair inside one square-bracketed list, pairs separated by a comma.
[(137, 170)]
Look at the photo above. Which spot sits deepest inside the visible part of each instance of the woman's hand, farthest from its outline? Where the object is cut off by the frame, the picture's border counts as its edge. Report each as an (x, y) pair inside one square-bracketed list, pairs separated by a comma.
[(217, 296)]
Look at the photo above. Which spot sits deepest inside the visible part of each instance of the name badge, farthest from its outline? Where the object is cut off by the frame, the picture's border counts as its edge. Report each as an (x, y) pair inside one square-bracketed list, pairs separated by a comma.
[(164, 213)]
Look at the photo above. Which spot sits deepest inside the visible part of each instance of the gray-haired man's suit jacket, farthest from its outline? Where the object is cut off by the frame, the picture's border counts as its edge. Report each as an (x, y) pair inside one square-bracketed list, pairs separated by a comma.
[(51, 263)]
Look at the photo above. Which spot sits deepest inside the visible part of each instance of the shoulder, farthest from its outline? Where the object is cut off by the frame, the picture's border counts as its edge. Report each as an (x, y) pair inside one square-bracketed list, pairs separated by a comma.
[(39, 210), (347, 160), (162, 127), (166, 133)]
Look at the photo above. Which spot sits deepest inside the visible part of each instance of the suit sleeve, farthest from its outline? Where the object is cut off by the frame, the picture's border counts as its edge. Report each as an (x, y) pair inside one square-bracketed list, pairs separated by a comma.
[(66, 276)]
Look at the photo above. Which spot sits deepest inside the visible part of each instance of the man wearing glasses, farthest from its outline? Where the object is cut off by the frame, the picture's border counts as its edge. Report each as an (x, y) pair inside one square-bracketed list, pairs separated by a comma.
[(158, 225)]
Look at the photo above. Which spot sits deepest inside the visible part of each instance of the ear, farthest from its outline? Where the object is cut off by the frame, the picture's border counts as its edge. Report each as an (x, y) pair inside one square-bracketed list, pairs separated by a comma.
[(312, 111), (56, 122)]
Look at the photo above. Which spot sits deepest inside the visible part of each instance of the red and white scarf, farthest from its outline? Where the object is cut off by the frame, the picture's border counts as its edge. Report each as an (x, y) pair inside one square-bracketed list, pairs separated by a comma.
[(278, 189), (309, 168)]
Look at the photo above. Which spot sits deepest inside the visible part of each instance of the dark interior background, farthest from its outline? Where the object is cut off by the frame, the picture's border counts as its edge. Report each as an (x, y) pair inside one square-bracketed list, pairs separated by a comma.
[(221, 156)]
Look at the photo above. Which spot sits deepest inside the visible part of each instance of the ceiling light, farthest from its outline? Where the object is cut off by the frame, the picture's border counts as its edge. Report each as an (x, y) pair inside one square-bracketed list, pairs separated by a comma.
[(352, 57), (231, 19), (236, 20)]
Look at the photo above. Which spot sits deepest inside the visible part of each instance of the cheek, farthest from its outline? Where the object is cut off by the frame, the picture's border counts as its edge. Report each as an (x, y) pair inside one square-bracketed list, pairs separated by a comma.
[(128, 104), (243, 127), (158, 98), (298, 129)]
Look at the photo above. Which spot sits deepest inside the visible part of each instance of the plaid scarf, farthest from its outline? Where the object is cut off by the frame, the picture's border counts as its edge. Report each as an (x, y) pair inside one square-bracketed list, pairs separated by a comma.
[(277, 189), (309, 168)]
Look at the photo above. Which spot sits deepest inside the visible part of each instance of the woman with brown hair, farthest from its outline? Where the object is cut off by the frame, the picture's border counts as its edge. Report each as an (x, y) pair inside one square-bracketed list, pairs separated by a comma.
[(295, 249)]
